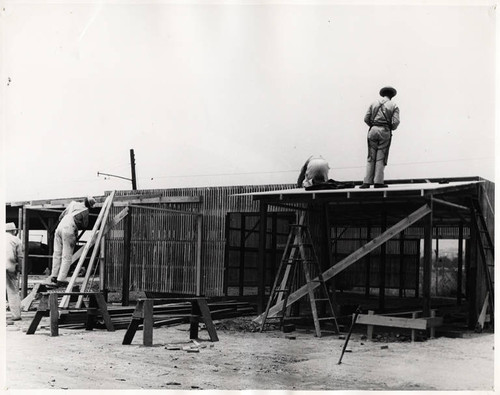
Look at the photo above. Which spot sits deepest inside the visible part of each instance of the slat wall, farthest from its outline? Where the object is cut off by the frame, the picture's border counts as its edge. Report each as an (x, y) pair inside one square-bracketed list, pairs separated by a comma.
[(149, 255)]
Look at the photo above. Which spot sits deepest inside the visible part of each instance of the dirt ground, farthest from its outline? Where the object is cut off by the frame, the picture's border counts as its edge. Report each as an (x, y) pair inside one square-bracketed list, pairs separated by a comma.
[(242, 360)]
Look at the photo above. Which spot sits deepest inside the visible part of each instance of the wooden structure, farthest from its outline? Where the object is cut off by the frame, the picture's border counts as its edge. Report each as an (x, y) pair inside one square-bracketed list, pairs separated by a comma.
[(48, 306), (427, 205), (144, 311), (209, 241), (399, 321)]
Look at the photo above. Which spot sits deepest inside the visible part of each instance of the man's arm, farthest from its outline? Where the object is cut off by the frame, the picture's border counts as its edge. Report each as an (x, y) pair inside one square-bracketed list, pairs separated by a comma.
[(368, 116), (395, 118), (302, 174)]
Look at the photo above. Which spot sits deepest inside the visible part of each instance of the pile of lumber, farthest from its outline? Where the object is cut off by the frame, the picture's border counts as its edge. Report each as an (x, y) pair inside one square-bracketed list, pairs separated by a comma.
[(164, 314)]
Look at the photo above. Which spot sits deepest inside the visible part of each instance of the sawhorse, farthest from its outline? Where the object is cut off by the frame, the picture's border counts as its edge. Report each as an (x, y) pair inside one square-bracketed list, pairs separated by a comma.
[(143, 314), (49, 306)]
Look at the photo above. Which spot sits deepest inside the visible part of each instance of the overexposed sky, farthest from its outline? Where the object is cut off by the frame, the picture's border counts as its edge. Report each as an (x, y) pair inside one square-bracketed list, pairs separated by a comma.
[(238, 93)]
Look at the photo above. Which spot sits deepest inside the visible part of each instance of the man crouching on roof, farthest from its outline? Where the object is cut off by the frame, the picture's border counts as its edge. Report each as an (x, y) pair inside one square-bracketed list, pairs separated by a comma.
[(314, 171), (76, 216)]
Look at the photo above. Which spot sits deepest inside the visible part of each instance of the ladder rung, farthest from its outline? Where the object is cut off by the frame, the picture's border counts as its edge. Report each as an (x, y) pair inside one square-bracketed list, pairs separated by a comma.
[(302, 244), (326, 318), (298, 226)]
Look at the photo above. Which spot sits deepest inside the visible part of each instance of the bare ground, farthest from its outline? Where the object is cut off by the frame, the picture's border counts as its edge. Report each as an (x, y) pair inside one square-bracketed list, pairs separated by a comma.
[(243, 360)]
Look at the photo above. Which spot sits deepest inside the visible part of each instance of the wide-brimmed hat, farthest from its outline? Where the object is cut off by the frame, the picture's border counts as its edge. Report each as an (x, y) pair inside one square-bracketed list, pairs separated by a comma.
[(10, 226), (388, 91)]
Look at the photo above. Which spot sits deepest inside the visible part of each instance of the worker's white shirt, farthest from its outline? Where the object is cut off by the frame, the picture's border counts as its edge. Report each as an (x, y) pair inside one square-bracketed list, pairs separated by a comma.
[(317, 169), (14, 250)]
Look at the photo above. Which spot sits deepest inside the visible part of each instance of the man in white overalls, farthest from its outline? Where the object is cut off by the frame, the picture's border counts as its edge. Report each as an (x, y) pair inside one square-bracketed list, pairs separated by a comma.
[(76, 216)]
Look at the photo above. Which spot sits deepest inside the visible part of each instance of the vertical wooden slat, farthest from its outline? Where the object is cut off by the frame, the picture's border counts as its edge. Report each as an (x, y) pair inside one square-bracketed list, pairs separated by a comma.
[(127, 234), (25, 242), (426, 290), (460, 263)]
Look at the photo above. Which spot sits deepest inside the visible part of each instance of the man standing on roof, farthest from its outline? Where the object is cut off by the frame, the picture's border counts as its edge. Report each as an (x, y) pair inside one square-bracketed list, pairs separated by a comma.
[(74, 217), (14, 250), (314, 171), (382, 117)]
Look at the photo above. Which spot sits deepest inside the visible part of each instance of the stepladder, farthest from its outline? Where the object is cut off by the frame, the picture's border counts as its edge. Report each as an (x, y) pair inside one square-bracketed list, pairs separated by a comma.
[(299, 265)]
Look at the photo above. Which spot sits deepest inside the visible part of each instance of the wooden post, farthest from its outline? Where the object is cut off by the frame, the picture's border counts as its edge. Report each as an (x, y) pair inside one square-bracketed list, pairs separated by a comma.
[(127, 236), (262, 257), (102, 267), (472, 277), (148, 323), (54, 315), (436, 265), (327, 258), (199, 233), (369, 328), (426, 286), (50, 241), (368, 262), (460, 262), (241, 279), (433, 329), (402, 272), (26, 244), (414, 315), (382, 268)]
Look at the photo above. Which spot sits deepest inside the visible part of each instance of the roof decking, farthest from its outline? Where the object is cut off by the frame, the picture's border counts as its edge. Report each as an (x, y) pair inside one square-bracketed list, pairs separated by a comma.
[(355, 206)]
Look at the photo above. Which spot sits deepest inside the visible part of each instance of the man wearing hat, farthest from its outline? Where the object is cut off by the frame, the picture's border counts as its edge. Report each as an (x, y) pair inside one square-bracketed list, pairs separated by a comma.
[(382, 117), (74, 217), (14, 250)]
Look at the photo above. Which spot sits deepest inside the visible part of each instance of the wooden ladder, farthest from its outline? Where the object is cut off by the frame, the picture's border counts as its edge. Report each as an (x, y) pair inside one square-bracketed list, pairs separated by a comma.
[(299, 251), (486, 250)]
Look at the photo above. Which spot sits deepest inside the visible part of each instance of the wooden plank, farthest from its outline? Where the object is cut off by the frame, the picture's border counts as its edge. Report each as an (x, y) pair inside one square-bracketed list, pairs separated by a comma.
[(354, 257), (54, 315), (482, 315), (147, 331), (199, 240), (131, 330), (65, 299), (28, 300), (396, 322), (162, 199), (207, 319)]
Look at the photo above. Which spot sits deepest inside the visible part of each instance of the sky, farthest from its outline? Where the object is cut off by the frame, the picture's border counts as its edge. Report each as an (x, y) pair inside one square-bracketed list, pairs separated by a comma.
[(233, 93)]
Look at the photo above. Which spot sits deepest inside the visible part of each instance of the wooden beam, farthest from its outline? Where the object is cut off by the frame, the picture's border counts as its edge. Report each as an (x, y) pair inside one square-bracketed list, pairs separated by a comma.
[(167, 210), (354, 257), (26, 243), (127, 237), (382, 265), (449, 204), (199, 240), (261, 268), (162, 199), (399, 322), (426, 286), (460, 262)]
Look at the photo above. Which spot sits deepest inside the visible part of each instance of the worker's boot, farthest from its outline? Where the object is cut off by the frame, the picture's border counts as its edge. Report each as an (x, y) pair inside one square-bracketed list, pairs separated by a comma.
[(364, 186), (62, 284), (381, 186), (50, 282)]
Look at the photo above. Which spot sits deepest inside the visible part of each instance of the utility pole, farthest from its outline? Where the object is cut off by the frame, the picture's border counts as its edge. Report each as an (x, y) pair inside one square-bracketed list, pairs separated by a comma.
[(132, 167)]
